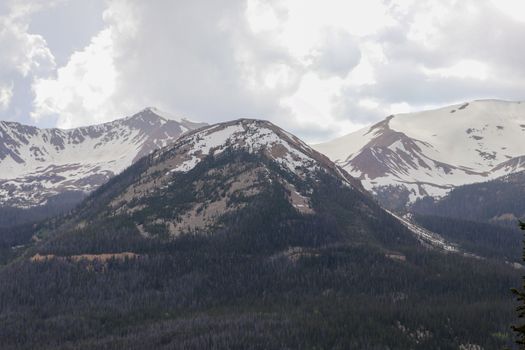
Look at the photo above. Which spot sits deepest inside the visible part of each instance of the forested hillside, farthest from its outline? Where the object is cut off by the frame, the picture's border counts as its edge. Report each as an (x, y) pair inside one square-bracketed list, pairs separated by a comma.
[(501, 201)]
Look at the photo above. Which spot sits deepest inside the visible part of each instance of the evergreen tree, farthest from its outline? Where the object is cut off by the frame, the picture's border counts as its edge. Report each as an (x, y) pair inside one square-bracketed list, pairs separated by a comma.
[(520, 329)]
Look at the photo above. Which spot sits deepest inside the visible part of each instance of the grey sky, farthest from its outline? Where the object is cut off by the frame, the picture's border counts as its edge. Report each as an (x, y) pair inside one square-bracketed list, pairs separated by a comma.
[(316, 68)]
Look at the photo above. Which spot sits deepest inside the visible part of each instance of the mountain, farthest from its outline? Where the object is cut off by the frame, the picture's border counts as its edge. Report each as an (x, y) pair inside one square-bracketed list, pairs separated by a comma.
[(240, 236), (37, 165), (427, 154), (500, 201), (210, 178), (480, 238)]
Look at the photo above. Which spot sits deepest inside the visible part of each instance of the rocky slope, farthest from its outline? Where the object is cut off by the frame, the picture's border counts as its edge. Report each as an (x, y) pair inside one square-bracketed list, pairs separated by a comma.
[(410, 156), (37, 164)]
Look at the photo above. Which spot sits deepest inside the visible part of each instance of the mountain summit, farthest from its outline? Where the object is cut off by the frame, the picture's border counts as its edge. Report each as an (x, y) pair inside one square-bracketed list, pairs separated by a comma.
[(427, 154), (38, 164)]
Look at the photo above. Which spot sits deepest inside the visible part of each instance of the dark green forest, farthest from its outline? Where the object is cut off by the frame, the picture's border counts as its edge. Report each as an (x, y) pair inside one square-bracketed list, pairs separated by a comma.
[(56, 205), (192, 295), (500, 201), (486, 240)]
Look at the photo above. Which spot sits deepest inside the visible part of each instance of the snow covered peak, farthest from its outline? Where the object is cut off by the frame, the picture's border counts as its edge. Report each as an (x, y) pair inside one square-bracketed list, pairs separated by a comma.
[(149, 113), (154, 111), (36, 164), (463, 133), (428, 153)]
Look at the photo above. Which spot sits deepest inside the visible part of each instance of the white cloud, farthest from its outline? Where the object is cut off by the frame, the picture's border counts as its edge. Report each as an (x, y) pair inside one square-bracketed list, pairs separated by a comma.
[(337, 54), (82, 90), (512, 8), (6, 94), (22, 52), (450, 51), (197, 59), (317, 68), (24, 56), (463, 69)]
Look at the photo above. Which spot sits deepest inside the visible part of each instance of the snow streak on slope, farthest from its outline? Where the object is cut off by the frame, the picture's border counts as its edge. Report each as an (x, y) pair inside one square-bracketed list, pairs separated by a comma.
[(431, 152), (36, 164), (425, 236)]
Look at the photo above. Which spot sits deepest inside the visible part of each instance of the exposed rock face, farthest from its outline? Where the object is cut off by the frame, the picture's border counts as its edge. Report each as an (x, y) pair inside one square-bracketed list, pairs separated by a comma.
[(36, 164)]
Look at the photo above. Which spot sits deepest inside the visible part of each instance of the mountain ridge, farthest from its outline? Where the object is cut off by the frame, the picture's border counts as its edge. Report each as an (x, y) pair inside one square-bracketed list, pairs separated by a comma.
[(37, 164), (427, 154)]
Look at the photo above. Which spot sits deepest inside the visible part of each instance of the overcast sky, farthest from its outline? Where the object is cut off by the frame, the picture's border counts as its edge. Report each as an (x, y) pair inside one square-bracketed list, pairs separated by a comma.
[(319, 68)]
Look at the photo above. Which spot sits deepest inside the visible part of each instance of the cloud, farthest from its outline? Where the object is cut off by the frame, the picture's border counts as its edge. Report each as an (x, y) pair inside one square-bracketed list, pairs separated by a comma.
[(451, 52), (24, 56), (68, 26), (82, 90), (319, 69), (6, 94), (200, 59), (337, 54), (197, 59), (22, 52)]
